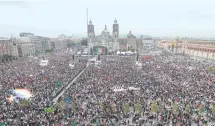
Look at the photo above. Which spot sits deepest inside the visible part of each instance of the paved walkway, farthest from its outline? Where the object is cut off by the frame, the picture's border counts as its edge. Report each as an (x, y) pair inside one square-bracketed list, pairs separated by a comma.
[(65, 88)]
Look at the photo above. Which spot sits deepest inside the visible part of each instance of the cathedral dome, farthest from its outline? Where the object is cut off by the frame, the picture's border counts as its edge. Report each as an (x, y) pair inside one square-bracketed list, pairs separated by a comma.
[(105, 32)]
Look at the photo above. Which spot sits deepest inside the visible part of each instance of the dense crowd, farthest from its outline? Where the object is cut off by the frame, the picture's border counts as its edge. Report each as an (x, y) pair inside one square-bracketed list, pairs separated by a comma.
[(44, 82), (167, 90)]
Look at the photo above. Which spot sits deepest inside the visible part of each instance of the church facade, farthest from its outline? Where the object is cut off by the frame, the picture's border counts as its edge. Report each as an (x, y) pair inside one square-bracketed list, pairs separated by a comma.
[(109, 43), (104, 43)]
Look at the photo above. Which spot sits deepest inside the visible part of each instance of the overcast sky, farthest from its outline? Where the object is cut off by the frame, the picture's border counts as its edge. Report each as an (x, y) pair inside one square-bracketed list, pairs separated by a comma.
[(194, 18)]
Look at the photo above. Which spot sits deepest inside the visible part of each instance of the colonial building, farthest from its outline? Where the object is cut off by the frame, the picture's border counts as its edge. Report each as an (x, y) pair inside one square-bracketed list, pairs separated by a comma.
[(8, 46), (193, 47), (147, 44), (199, 48), (104, 43)]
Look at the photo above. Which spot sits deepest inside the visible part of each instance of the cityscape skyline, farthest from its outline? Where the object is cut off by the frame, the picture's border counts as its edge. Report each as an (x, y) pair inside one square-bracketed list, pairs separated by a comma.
[(155, 18)]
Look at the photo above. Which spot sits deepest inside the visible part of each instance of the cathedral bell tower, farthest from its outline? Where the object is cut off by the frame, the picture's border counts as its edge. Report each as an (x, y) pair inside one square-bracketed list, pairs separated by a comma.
[(115, 29), (91, 32)]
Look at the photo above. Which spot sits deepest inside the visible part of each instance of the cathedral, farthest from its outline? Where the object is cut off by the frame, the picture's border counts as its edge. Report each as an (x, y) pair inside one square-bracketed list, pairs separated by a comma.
[(104, 43), (109, 43)]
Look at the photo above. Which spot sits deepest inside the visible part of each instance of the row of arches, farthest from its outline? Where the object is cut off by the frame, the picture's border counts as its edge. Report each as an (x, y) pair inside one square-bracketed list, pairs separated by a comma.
[(212, 50)]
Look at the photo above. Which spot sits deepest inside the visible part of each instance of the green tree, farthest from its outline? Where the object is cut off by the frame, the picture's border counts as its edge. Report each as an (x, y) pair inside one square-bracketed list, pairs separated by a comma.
[(84, 42)]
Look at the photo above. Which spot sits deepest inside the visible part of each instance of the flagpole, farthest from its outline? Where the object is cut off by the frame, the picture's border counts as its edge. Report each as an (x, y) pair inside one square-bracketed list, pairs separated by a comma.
[(87, 34), (87, 22)]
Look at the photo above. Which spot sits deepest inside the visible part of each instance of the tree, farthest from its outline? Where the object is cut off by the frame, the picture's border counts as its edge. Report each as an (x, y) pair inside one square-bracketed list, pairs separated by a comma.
[(48, 50), (6, 58), (84, 42)]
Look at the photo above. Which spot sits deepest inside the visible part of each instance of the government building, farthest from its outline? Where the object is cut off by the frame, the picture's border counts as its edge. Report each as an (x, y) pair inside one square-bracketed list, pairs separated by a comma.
[(197, 48)]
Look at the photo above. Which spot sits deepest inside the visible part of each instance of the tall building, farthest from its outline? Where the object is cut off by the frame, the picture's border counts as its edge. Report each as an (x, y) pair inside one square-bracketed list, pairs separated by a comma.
[(91, 32), (115, 29)]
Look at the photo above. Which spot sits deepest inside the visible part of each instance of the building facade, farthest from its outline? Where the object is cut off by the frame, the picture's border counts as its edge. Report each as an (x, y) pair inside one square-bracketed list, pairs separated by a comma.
[(8, 47), (199, 48), (104, 43), (192, 47)]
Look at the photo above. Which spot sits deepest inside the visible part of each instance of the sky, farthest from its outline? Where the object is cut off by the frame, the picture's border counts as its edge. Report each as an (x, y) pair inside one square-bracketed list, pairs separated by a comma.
[(185, 18)]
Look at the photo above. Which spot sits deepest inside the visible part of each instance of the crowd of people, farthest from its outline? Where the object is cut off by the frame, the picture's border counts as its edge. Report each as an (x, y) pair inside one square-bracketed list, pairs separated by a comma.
[(166, 90), (44, 82)]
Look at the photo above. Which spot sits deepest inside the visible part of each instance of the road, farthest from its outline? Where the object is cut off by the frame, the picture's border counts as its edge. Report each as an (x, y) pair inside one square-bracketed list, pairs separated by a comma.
[(65, 88)]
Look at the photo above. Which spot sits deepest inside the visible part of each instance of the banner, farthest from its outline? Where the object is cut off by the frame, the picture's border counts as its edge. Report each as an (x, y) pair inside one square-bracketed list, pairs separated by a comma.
[(100, 50)]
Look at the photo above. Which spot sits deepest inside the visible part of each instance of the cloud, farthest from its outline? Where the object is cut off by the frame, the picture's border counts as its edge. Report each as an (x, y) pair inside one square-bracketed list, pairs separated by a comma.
[(195, 14), (15, 3)]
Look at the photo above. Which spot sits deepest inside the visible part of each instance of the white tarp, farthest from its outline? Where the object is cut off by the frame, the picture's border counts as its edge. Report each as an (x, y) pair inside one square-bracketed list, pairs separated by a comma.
[(138, 64), (133, 88), (71, 66), (93, 59), (44, 62), (123, 53), (119, 89), (129, 53), (118, 52)]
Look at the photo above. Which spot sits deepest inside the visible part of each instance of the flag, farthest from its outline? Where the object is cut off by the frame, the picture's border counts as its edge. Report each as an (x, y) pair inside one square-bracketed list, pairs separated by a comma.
[(200, 108), (188, 109), (48, 109), (58, 84), (61, 105), (75, 123), (46, 78), (101, 104), (137, 108), (211, 69), (213, 109), (67, 100), (175, 108), (126, 108), (154, 107), (54, 93), (2, 124), (113, 106), (98, 122)]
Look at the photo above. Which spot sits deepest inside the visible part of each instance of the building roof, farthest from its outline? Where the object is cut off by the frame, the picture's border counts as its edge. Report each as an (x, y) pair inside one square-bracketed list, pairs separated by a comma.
[(26, 33), (4, 39), (130, 35)]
